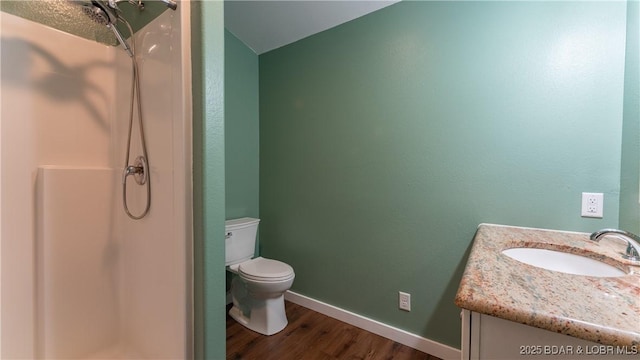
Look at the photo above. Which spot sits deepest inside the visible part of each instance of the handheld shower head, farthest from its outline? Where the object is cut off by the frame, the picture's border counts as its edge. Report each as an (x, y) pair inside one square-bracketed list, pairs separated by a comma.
[(103, 15)]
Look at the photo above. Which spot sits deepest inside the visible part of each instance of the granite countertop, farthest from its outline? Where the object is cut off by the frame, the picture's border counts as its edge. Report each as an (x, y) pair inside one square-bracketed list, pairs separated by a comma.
[(602, 310)]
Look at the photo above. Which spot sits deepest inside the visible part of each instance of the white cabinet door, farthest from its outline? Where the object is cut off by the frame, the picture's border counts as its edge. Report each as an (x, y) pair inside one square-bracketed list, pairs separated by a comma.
[(489, 337)]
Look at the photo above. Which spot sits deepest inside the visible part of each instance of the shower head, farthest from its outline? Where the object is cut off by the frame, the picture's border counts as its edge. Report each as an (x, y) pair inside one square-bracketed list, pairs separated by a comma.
[(99, 13), (103, 15)]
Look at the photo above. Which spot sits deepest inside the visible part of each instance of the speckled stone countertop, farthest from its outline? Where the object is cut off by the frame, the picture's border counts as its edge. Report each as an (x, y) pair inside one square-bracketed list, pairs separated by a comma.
[(602, 310)]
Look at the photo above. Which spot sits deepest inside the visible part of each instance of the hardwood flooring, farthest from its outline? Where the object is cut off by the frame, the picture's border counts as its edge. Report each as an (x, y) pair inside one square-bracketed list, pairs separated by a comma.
[(314, 336)]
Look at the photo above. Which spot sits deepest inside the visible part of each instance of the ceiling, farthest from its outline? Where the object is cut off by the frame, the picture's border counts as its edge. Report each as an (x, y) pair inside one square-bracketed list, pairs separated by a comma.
[(264, 25)]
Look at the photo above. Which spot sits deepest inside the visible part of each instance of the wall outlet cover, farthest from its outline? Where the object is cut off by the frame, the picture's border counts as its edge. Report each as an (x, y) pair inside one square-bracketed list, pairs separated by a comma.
[(404, 301), (592, 205)]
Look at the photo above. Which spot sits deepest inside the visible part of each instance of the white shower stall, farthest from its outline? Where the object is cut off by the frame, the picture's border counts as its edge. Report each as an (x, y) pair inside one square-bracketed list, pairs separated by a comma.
[(78, 278)]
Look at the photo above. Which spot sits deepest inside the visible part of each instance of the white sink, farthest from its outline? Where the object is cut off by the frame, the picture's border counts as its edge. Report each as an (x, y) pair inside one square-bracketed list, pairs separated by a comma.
[(563, 262)]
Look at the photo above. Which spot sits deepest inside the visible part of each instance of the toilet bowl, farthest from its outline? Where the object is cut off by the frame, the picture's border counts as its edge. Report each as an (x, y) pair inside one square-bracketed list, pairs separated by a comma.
[(258, 285), (257, 290)]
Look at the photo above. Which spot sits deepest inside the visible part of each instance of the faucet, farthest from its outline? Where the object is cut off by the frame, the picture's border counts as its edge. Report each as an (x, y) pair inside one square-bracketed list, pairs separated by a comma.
[(633, 242)]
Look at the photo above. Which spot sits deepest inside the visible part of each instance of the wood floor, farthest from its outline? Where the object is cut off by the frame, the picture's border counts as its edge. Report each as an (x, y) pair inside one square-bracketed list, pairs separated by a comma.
[(314, 336)]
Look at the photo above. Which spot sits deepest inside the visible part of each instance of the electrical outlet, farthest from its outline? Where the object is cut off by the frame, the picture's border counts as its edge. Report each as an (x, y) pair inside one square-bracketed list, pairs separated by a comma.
[(592, 205), (404, 301)]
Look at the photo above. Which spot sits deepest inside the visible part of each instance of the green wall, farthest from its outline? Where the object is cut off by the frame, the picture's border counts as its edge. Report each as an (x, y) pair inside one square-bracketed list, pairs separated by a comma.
[(208, 179), (242, 138), (630, 176), (384, 142)]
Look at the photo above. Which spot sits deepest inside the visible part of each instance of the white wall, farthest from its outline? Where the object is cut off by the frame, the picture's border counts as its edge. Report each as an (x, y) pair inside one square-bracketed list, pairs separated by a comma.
[(57, 94), (155, 256), (77, 261), (65, 102)]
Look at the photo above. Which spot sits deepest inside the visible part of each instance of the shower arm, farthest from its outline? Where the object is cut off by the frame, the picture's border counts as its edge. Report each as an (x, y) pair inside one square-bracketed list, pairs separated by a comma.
[(114, 3), (171, 4)]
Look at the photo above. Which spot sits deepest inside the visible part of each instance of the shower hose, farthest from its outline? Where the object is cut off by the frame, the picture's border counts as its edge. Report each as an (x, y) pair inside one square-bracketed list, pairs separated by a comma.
[(140, 168)]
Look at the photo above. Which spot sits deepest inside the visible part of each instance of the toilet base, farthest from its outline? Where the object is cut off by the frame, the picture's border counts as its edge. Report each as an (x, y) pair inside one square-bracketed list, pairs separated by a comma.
[(267, 316)]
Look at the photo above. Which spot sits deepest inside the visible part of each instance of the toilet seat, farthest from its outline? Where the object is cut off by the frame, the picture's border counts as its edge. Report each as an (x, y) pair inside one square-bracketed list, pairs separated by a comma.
[(265, 270)]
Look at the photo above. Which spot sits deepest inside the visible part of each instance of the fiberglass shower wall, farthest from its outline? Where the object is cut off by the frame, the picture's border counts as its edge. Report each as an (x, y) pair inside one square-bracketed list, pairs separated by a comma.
[(78, 278)]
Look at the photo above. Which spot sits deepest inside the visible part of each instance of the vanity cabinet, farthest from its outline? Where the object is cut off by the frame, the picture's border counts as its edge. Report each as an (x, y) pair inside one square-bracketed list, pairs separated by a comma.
[(489, 337)]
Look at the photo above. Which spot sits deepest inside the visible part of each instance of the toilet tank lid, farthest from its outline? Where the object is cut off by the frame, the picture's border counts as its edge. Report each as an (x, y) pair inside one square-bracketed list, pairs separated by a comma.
[(240, 223)]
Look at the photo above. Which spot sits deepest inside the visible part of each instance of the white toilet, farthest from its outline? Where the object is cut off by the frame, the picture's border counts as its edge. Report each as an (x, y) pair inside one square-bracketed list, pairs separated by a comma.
[(258, 284)]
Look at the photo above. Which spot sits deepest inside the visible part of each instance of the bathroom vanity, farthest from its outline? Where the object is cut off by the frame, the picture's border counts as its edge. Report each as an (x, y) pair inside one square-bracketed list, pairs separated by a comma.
[(514, 310)]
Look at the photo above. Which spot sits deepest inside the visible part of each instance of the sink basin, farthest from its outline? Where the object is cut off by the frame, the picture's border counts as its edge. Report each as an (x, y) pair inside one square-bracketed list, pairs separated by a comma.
[(563, 262)]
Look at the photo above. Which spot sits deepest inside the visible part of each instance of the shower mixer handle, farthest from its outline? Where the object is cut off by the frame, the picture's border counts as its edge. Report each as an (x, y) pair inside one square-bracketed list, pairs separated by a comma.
[(139, 170), (131, 170)]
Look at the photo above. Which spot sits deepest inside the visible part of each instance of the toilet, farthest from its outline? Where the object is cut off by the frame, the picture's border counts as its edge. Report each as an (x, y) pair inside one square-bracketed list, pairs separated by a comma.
[(258, 284)]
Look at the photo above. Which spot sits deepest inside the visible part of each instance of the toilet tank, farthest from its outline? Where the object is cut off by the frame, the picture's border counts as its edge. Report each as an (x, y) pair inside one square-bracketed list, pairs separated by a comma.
[(240, 239)]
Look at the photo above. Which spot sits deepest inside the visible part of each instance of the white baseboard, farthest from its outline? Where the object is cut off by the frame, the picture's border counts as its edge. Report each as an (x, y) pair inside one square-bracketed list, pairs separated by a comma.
[(398, 335)]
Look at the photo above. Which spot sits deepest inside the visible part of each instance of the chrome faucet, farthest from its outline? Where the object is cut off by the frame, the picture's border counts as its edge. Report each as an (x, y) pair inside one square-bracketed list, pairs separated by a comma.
[(633, 242)]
